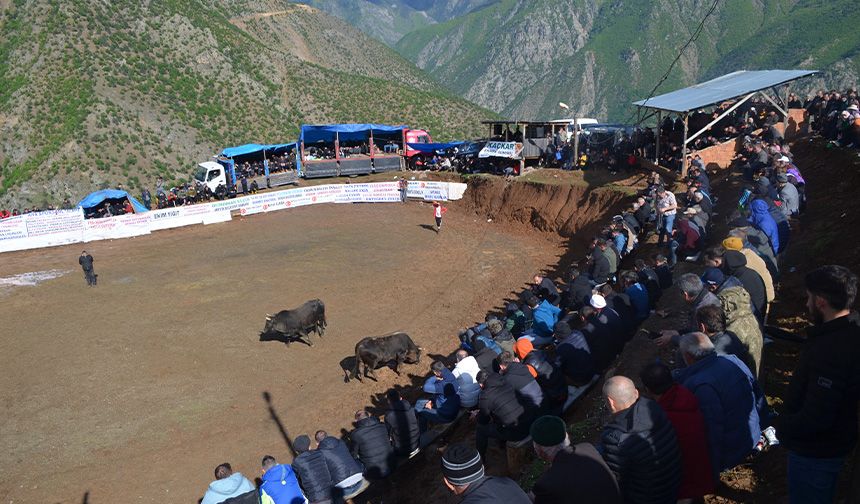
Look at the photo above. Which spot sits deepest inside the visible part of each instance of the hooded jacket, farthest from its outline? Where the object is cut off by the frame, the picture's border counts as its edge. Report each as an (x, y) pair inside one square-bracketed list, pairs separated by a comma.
[(545, 317), (735, 264), (338, 459), (757, 264), (574, 358), (641, 449), (682, 408), (498, 403), (370, 444), (222, 489), (280, 486), (548, 376), (760, 218), (466, 372), (402, 427), (526, 387)]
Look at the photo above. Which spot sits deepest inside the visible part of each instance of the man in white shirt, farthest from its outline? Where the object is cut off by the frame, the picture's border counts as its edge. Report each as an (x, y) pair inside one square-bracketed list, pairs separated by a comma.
[(667, 207), (466, 372)]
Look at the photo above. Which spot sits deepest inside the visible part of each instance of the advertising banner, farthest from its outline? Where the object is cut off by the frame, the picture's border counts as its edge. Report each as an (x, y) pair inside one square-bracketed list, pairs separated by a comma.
[(510, 150)]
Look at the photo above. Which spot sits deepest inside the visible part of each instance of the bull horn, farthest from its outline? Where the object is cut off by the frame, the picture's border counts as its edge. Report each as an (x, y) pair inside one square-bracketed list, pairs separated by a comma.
[(268, 317)]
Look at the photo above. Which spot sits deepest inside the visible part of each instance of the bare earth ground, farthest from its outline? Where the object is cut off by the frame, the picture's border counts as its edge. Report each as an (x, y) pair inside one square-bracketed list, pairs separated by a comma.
[(133, 391)]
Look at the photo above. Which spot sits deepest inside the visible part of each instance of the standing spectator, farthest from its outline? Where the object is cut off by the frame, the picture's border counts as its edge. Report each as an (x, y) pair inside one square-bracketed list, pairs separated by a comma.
[(818, 425), (682, 408), (345, 471), (312, 472), (402, 186), (147, 199), (667, 207), (639, 445), (500, 415), (371, 446), (227, 484), (546, 289), (463, 473), (577, 474), (402, 424), (730, 399), (280, 485), (438, 211), (466, 371), (86, 262)]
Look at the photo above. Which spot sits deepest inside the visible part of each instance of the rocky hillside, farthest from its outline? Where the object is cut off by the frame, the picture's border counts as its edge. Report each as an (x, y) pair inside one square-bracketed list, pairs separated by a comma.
[(521, 57), (93, 94)]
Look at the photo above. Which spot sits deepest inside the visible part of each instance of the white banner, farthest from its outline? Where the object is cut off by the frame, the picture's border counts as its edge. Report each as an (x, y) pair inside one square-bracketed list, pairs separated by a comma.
[(510, 150), (60, 227)]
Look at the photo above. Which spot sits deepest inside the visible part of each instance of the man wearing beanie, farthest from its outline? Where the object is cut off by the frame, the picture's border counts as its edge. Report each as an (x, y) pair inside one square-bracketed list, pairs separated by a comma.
[(312, 472), (463, 474), (577, 474), (754, 262)]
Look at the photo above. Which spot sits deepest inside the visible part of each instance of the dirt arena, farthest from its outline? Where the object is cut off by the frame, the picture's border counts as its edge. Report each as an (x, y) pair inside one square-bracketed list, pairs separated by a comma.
[(135, 390)]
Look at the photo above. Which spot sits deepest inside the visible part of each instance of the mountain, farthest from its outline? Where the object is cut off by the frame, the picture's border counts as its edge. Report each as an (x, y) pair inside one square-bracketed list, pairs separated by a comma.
[(521, 57), (93, 94), (390, 20)]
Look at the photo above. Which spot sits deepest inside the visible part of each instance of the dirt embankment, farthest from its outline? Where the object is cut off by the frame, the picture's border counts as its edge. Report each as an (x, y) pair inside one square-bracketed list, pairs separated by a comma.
[(566, 210)]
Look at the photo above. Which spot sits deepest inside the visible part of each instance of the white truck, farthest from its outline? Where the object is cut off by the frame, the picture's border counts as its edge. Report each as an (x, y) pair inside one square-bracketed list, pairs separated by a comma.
[(213, 174)]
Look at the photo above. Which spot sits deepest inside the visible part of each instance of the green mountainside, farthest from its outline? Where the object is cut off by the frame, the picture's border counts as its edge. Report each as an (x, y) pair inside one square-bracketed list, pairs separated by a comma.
[(521, 58), (93, 93)]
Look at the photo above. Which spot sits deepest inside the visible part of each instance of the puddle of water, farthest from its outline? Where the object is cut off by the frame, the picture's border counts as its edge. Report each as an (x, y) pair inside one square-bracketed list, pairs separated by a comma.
[(32, 278)]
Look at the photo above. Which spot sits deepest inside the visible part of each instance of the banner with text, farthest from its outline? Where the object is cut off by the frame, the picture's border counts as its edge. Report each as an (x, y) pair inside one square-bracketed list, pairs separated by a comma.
[(510, 150)]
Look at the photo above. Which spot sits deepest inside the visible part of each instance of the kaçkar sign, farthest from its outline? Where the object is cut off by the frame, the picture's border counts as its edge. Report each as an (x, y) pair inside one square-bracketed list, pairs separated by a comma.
[(61, 227), (509, 150)]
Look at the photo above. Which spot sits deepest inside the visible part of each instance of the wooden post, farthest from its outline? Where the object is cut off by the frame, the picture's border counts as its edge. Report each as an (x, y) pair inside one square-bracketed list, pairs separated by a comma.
[(684, 149), (659, 125), (575, 142)]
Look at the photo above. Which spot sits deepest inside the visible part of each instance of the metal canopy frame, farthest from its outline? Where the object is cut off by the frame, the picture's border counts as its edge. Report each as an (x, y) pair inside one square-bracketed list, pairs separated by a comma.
[(685, 114)]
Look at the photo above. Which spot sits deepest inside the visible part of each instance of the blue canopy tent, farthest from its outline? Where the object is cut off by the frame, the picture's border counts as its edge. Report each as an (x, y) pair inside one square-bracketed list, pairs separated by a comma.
[(434, 148), (336, 133), (252, 148), (95, 199)]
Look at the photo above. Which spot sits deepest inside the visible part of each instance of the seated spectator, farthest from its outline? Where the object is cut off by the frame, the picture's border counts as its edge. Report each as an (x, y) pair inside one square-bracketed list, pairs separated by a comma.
[(788, 195), (547, 375), (663, 270), (638, 295), (599, 270), (711, 321), (500, 414), (371, 446), (313, 474), (754, 262), (279, 485), (345, 471), (577, 474), (761, 219), (758, 242), (735, 264), (463, 472), (604, 339), (578, 290), (686, 241), (546, 290), (682, 408), (696, 295), (402, 424), (227, 484), (516, 322), (639, 445), (818, 424), (648, 277), (545, 316), (501, 336), (622, 305), (573, 355), (435, 385), (446, 412), (466, 371), (517, 375), (485, 356), (729, 397)]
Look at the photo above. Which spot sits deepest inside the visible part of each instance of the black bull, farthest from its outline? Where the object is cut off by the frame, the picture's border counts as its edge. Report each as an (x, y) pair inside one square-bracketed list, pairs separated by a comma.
[(373, 352), (287, 325)]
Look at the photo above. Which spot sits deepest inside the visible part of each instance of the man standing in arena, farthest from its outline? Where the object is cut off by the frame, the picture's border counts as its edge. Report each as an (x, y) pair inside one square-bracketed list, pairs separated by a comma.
[(403, 186), (86, 262), (438, 211)]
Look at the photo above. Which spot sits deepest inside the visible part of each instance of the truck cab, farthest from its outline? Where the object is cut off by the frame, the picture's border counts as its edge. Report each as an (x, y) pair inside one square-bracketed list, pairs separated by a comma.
[(415, 136), (211, 174)]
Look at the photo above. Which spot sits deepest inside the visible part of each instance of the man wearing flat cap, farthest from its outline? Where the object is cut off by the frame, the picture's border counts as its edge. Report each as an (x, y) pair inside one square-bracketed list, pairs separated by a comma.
[(463, 474), (577, 474)]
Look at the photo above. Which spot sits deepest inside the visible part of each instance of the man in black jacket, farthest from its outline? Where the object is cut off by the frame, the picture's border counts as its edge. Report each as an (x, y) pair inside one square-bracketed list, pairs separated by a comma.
[(639, 445), (517, 375), (818, 424), (463, 474), (578, 290), (735, 264), (86, 262), (500, 415), (346, 472), (402, 424), (545, 288), (371, 446), (600, 268), (312, 472)]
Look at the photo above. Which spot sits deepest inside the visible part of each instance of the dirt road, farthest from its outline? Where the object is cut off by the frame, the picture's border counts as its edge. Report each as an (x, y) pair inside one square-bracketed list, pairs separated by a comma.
[(133, 391)]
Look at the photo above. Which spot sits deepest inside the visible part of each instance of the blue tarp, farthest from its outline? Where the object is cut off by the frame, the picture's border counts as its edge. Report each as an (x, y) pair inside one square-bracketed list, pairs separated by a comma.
[(327, 132), (253, 148), (96, 198), (431, 148)]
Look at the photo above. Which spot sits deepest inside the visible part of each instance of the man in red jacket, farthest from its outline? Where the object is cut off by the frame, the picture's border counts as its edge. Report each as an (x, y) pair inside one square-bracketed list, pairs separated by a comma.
[(682, 408)]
